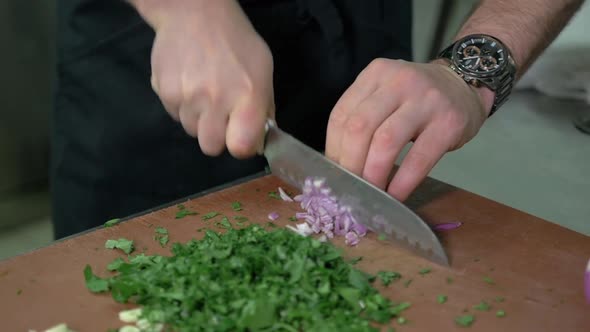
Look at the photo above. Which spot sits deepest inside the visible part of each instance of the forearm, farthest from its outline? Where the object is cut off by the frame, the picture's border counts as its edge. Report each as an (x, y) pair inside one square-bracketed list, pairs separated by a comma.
[(155, 12), (527, 27)]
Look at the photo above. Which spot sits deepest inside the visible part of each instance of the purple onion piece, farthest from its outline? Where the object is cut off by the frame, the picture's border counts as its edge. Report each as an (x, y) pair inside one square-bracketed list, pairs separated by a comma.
[(273, 216), (587, 282), (351, 238), (284, 195), (447, 226)]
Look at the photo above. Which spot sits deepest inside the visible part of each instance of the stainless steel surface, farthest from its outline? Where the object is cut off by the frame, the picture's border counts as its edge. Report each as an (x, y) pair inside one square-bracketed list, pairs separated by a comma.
[(293, 161)]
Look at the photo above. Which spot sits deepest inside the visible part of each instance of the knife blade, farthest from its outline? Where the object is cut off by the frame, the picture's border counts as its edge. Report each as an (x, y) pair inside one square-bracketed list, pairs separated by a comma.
[(292, 161)]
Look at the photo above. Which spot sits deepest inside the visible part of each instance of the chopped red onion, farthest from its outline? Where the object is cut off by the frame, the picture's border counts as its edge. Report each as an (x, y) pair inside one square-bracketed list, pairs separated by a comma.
[(284, 195), (325, 215), (301, 229), (351, 238), (273, 216), (447, 226), (587, 282)]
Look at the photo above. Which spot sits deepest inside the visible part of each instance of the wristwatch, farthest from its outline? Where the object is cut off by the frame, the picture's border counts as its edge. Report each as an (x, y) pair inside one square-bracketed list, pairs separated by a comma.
[(482, 59)]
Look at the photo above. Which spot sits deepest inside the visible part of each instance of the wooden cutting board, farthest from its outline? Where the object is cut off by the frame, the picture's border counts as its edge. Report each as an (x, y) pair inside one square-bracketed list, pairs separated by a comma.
[(536, 266)]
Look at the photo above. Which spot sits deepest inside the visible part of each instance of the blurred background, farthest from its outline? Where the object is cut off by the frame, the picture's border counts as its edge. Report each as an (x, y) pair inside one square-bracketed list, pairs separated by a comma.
[(529, 156)]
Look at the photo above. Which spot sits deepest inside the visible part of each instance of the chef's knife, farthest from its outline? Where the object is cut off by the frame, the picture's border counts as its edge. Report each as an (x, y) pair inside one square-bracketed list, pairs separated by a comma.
[(293, 161)]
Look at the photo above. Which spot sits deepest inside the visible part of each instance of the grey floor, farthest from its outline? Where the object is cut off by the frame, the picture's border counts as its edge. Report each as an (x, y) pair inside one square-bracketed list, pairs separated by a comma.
[(528, 156)]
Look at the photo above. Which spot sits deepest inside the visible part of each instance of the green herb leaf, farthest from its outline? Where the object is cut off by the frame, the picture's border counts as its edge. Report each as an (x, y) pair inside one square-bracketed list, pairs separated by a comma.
[(465, 320), (381, 237), (184, 213), (274, 194), (424, 271), (500, 313), (19, 291), (210, 215), (407, 283), (388, 276), (123, 244), (94, 283), (482, 306), (402, 320), (499, 299), (161, 230), (224, 223), (355, 260), (449, 280), (489, 280), (293, 218), (112, 222), (236, 206), (116, 264), (441, 299)]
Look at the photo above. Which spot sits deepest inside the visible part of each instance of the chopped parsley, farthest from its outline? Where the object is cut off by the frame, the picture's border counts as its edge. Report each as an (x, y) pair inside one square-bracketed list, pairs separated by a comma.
[(449, 280), (441, 299), (274, 194), (499, 299), (123, 244), (112, 222), (381, 237), (250, 279), (94, 283), (224, 223), (482, 306), (293, 218), (387, 277), (116, 264), (402, 320), (408, 282), (424, 271), (355, 260), (210, 215), (161, 236), (500, 313), (183, 212), (236, 206), (19, 291), (489, 280), (465, 320)]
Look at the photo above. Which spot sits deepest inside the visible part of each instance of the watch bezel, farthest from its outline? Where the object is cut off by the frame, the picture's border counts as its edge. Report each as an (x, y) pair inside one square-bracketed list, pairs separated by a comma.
[(456, 62)]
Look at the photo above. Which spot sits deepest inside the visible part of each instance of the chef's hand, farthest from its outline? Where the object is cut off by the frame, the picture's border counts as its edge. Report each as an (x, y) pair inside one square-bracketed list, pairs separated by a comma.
[(393, 102), (212, 72)]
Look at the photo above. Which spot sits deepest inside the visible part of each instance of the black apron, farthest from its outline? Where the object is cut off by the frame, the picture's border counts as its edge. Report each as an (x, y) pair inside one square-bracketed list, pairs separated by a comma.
[(116, 152)]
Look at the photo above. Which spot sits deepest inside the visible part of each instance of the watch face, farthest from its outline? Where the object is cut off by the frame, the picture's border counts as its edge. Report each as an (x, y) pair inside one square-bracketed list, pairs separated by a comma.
[(479, 55)]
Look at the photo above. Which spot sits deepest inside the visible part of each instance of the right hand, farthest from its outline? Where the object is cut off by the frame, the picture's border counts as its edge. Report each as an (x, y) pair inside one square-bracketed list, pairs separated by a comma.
[(212, 72)]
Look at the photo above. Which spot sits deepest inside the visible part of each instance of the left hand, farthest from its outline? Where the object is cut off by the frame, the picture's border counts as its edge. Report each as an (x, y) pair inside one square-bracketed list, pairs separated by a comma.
[(393, 102)]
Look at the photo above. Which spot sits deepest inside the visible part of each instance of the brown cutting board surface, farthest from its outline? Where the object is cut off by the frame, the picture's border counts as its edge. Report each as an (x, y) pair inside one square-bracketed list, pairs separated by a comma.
[(538, 267)]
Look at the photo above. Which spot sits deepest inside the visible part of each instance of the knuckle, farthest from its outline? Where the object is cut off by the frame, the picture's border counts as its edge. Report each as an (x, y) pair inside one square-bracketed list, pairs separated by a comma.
[(357, 124), (379, 64), (338, 118), (384, 138)]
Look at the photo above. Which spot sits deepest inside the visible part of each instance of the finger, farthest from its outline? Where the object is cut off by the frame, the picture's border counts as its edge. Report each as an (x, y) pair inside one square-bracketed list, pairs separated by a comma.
[(245, 130), (212, 128), (170, 109), (189, 119), (360, 89), (168, 89), (423, 155), (361, 125), (389, 140)]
